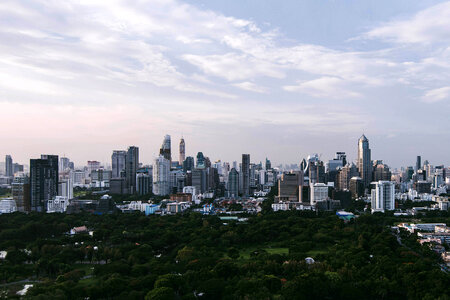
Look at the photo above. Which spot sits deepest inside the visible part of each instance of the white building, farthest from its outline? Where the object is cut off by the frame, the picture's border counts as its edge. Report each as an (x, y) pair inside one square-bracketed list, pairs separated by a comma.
[(191, 190), (319, 192), (7, 206), (383, 196), (57, 205), (161, 180), (65, 188)]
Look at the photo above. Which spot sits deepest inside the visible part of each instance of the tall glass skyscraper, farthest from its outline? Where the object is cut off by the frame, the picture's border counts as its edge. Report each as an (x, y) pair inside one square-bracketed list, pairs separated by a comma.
[(182, 152), (246, 175), (44, 181), (364, 161)]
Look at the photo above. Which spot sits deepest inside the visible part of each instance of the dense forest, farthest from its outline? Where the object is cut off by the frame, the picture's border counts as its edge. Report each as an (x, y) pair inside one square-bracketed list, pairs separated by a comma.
[(192, 256)]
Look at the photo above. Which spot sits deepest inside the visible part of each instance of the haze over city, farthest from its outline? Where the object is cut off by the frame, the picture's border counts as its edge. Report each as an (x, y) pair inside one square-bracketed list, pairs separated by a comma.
[(82, 78)]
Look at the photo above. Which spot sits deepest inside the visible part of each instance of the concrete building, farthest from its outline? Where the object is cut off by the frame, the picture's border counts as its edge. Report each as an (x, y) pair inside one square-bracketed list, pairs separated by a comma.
[(356, 187), (65, 188), (165, 150), (383, 196), (290, 187), (7, 206), (344, 175), (100, 178), (43, 180), (20, 189), (199, 180), (118, 159), (161, 180), (9, 171), (144, 182), (131, 167), (245, 175), (319, 192), (182, 152), (177, 178), (57, 205)]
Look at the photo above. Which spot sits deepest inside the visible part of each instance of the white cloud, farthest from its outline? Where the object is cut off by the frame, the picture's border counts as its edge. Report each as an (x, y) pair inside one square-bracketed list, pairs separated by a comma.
[(428, 26), (437, 95), (324, 87), (250, 86)]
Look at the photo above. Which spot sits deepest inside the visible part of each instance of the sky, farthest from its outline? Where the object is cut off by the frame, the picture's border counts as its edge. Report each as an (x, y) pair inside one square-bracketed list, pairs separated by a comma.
[(276, 79)]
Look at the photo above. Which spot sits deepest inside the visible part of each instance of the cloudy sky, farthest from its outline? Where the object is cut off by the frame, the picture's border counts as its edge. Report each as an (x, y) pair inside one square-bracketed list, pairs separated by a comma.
[(281, 79)]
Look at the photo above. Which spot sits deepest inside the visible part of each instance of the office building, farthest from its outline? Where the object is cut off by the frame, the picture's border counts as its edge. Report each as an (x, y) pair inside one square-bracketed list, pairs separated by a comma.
[(364, 160), (199, 180), (268, 164), (383, 196), (233, 183), (290, 187), (131, 166), (100, 178), (188, 164), (182, 152), (65, 188), (144, 182), (200, 164), (318, 192), (161, 170), (92, 165), (344, 175), (177, 178), (44, 181), (356, 187), (57, 205), (245, 175), (118, 159), (418, 163), (381, 171), (165, 150), (64, 164), (17, 168), (9, 171), (20, 189)]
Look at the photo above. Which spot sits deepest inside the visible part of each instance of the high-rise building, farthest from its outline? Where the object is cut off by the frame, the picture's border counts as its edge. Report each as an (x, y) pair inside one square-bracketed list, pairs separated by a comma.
[(344, 176), (356, 187), (290, 187), (131, 167), (144, 181), (166, 149), (246, 175), (20, 189), (17, 168), (200, 161), (161, 170), (9, 171), (233, 183), (319, 192), (44, 181), (182, 152), (418, 163), (268, 164), (364, 161), (199, 180), (118, 159), (92, 165), (188, 164), (381, 172), (383, 196), (64, 164), (65, 188)]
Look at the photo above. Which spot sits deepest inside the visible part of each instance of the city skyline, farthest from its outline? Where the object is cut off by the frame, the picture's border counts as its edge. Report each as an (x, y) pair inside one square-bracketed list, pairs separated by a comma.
[(275, 80)]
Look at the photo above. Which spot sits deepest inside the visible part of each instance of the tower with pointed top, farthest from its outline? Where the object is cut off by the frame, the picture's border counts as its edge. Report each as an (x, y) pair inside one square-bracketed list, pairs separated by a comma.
[(364, 160), (182, 152)]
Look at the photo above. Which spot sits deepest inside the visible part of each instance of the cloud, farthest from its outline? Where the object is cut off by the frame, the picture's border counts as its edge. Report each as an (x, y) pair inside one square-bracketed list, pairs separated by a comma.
[(428, 26), (437, 95), (250, 86), (324, 87)]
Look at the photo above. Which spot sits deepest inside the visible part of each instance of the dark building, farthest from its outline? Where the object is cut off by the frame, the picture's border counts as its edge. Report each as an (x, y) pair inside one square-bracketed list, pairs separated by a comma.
[(200, 161), (356, 187), (118, 186), (166, 149), (364, 160), (418, 163), (199, 180), (233, 183), (290, 187), (246, 175), (43, 181), (381, 172), (17, 168), (268, 164), (144, 182), (188, 164), (118, 159), (422, 187), (9, 171), (131, 166)]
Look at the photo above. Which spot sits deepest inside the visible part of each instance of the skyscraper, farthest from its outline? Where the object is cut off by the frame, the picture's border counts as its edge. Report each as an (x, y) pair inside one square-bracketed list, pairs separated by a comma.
[(245, 175), (418, 163), (233, 183), (20, 189), (383, 196), (161, 171), (43, 180), (188, 164), (182, 152), (9, 166), (131, 166), (364, 161), (118, 159), (166, 149), (200, 161), (63, 164)]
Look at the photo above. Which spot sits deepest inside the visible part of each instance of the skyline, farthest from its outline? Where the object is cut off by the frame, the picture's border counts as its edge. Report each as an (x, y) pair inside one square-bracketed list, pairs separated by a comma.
[(276, 80)]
